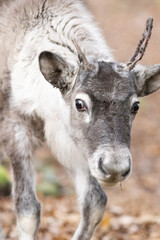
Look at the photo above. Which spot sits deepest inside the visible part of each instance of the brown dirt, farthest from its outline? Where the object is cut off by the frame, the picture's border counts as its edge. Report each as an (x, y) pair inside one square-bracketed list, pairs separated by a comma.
[(134, 212)]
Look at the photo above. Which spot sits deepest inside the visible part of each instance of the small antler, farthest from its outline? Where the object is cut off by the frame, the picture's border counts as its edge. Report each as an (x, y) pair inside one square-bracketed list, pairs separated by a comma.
[(82, 57), (142, 45)]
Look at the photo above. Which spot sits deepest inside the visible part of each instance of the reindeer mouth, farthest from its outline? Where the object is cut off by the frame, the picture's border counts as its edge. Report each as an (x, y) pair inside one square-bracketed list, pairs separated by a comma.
[(109, 181), (104, 183)]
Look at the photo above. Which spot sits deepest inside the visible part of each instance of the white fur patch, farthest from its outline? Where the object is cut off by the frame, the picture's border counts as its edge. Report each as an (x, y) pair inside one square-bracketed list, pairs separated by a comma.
[(27, 227)]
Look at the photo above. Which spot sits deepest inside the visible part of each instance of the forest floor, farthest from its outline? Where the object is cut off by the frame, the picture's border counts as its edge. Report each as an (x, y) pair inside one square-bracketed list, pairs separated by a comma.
[(133, 212)]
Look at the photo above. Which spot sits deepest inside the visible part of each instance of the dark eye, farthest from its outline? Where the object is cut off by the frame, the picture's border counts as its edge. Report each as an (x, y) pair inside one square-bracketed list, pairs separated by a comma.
[(135, 107), (80, 105)]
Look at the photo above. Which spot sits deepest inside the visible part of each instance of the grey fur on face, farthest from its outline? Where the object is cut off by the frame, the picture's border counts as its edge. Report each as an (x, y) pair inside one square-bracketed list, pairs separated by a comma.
[(110, 95)]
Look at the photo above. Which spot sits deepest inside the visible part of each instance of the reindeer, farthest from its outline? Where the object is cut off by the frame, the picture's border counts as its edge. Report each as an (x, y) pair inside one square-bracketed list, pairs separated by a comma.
[(60, 84)]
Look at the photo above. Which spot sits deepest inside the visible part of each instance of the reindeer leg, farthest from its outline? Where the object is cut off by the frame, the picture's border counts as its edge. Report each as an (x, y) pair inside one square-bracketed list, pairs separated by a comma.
[(92, 200), (19, 146)]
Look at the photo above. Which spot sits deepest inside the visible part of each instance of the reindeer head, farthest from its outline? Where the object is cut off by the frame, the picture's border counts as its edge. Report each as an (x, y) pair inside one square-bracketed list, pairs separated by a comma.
[(103, 102)]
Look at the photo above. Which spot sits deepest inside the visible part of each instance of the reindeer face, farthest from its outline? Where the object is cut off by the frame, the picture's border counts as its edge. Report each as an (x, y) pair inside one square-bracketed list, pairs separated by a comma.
[(103, 106), (102, 103)]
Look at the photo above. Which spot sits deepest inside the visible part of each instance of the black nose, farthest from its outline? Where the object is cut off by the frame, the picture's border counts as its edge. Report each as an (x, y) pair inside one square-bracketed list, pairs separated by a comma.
[(101, 167), (114, 170), (127, 172)]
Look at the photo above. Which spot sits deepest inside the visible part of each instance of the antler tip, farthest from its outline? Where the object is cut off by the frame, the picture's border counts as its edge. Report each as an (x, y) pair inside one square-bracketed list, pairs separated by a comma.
[(142, 45)]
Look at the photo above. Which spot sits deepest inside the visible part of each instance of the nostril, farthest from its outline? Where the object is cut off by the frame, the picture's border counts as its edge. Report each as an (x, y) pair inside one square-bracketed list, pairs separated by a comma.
[(127, 172), (101, 167)]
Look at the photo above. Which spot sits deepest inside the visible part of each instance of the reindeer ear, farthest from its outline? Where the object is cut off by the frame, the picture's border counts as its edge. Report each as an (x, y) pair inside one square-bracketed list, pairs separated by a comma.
[(147, 79), (56, 71)]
